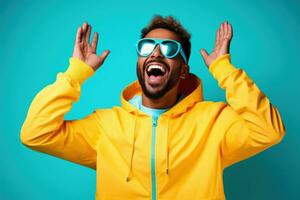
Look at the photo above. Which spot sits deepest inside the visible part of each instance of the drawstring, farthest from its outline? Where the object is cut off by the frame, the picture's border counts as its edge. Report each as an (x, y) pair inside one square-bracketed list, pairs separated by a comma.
[(132, 148), (167, 145)]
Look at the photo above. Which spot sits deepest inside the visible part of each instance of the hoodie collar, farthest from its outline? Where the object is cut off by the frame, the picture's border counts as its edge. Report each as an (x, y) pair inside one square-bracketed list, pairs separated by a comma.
[(190, 87)]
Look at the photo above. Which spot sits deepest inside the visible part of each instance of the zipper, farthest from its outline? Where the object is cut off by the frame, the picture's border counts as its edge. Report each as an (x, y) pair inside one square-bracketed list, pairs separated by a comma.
[(153, 176)]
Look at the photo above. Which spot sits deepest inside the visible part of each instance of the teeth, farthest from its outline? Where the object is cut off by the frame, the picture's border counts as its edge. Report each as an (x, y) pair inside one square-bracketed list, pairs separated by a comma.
[(155, 67)]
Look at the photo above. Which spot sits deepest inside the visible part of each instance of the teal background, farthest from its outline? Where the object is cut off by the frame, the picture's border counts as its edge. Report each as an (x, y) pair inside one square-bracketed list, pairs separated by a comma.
[(37, 40)]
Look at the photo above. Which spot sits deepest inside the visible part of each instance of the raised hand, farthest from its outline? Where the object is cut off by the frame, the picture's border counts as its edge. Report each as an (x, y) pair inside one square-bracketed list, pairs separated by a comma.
[(86, 51), (222, 44)]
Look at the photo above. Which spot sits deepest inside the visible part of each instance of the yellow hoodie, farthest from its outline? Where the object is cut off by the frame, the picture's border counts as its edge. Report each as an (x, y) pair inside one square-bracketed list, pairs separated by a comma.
[(179, 155)]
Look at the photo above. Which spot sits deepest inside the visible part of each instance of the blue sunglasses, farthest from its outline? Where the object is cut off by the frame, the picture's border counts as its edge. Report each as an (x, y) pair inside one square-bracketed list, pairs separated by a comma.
[(169, 48)]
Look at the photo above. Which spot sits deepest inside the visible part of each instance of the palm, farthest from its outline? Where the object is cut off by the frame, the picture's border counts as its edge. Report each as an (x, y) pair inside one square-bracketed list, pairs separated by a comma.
[(222, 44), (86, 51)]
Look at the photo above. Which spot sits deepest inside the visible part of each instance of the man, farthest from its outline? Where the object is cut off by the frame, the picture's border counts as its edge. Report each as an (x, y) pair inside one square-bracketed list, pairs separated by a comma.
[(165, 141)]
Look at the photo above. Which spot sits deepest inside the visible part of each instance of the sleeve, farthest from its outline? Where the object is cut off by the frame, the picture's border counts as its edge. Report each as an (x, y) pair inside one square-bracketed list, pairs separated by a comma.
[(45, 129), (253, 123)]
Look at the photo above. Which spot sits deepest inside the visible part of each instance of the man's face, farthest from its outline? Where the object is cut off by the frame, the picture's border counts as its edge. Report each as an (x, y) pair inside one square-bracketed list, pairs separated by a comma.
[(156, 83)]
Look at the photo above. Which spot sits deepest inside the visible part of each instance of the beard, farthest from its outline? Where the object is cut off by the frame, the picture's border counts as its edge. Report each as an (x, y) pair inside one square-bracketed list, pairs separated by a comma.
[(171, 82)]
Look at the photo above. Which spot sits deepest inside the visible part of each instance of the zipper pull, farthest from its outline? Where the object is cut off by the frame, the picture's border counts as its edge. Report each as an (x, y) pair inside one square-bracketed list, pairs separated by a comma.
[(154, 122)]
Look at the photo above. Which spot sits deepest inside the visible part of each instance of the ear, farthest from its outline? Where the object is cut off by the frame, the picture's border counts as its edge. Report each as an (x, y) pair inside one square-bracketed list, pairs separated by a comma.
[(185, 70)]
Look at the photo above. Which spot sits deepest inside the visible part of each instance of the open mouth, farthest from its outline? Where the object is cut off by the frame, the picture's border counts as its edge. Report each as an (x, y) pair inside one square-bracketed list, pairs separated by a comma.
[(155, 70), (156, 73)]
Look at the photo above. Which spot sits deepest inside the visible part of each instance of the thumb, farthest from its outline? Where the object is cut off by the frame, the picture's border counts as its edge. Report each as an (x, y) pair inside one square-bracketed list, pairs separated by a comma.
[(204, 54), (205, 57), (104, 55)]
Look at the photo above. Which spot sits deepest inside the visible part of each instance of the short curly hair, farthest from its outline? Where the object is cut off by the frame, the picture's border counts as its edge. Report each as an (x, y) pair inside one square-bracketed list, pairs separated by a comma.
[(173, 25)]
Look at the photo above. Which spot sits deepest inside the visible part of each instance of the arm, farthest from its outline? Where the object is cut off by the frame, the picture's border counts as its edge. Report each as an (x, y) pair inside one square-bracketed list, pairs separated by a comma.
[(253, 123), (45, 129)]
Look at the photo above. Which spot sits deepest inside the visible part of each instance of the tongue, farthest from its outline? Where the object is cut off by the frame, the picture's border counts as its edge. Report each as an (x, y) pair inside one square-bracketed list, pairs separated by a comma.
[(155, 79)]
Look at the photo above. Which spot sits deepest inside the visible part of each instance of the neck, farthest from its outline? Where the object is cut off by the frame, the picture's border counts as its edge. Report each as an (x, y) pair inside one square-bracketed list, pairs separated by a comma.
[(167, 101)]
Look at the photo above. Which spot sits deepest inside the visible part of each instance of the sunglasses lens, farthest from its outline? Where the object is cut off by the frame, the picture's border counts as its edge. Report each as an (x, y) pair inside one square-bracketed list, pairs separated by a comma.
[(169, 48), (145, 47)]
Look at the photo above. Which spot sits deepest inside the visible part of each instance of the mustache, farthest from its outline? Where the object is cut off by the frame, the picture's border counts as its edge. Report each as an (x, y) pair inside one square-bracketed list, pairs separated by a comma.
[(155, 60)]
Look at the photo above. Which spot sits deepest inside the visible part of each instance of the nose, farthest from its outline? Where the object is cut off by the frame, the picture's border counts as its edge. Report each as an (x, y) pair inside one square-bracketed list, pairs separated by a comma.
[(156, 52)]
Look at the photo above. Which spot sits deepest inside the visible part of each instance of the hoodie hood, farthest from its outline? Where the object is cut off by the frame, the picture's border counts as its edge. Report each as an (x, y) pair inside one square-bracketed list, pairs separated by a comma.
[(190, 88)]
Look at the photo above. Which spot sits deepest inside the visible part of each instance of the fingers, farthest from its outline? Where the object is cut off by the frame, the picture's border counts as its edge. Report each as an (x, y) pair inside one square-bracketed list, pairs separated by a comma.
[(225, 31), (230, 31), (95, 41), (88, 33), (78, 35), (221, 31), (217, 41), (83, 33), (84, 29), (218, 37)]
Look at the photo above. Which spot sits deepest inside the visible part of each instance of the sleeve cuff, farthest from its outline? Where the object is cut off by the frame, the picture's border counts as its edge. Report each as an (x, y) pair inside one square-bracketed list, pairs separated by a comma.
[(78, 70), (222, 67)]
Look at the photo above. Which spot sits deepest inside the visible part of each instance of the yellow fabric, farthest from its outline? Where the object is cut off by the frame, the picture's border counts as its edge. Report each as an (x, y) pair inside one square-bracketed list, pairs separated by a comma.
[(195, 139), (78, 74)]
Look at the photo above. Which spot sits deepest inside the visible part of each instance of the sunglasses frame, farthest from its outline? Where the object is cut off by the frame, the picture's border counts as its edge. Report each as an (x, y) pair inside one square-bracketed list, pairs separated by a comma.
[(160, 41)]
